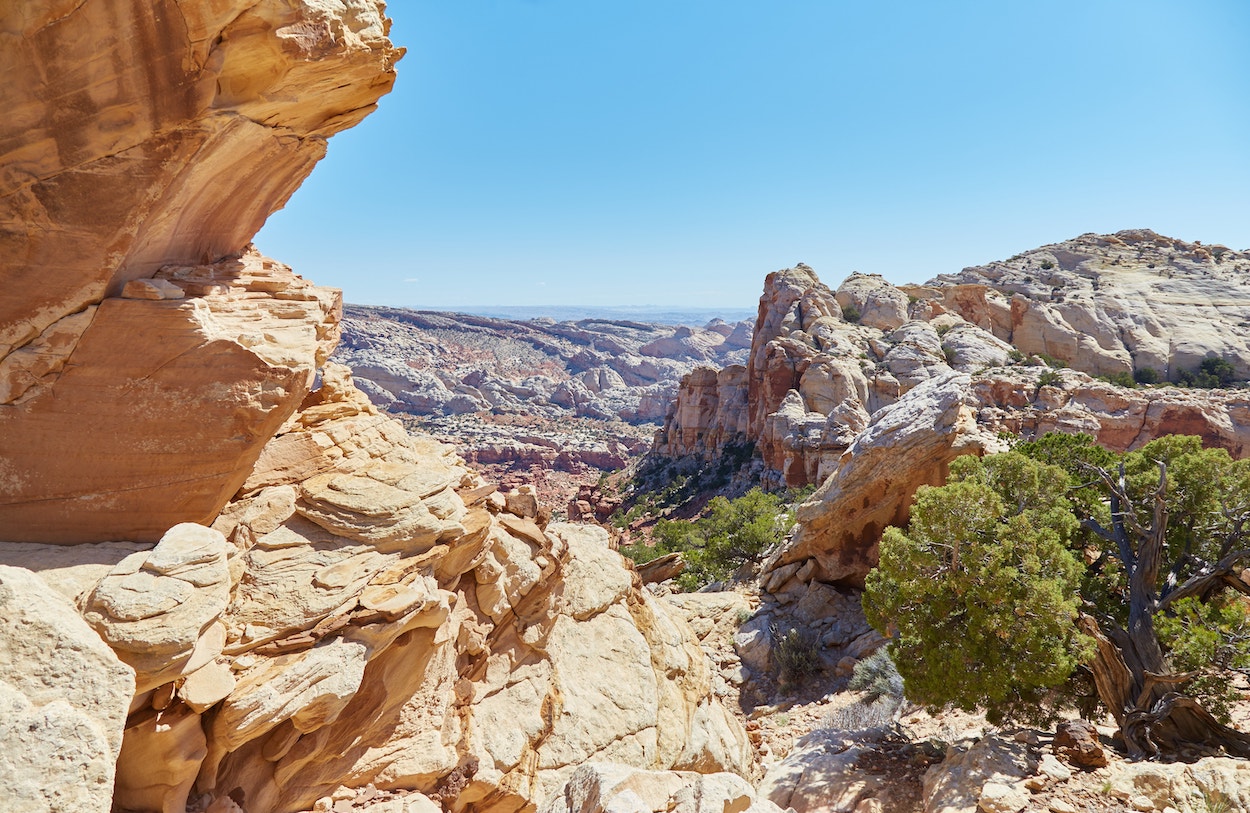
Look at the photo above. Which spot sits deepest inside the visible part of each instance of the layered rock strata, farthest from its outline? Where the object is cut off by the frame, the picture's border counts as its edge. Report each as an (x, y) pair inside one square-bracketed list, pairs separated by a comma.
[(822, 362), (431, 363), (553, 404), (1111, 303), (170, 390), (813, 378), (149, 137), (912, 442)]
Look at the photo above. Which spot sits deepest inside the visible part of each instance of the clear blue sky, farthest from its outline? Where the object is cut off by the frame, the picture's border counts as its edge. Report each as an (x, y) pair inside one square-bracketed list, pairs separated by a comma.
[(673, 152)]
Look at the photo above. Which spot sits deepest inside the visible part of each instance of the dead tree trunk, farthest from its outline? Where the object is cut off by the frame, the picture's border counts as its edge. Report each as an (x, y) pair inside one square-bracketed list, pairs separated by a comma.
[(1131, 673)]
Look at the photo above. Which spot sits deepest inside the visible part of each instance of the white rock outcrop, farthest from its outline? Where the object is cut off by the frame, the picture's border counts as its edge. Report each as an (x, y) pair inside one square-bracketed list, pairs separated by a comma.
[(63, 701)]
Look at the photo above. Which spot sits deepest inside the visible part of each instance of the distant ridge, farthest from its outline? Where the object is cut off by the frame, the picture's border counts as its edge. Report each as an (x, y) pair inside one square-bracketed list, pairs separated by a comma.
[(655, 314)]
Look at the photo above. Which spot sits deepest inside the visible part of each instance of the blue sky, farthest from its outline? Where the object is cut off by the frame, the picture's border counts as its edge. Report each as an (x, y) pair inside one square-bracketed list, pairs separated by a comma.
[(603, 152)]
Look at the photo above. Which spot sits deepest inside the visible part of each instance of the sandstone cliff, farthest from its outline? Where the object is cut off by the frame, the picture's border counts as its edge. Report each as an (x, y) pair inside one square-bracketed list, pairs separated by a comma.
[(142, 137), (261, 594)]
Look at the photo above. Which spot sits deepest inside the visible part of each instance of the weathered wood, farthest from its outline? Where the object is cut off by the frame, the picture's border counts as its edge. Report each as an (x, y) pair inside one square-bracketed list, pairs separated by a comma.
[(1131, 673)]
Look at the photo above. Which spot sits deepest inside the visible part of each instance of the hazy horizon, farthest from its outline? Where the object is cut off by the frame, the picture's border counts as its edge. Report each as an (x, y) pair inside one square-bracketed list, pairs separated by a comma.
[(654, 314)]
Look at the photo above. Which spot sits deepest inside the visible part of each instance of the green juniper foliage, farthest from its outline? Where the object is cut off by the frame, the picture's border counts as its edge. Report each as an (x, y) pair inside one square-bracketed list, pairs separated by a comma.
[(1211, 373), (730, 534), (983, 588)]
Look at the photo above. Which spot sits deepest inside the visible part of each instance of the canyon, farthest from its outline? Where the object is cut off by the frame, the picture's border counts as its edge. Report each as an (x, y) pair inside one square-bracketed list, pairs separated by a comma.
[(233, 580), (554, 405)]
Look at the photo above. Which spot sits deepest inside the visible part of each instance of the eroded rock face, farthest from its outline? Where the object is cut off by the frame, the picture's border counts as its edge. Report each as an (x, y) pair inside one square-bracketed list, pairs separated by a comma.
[(170, 399), (987, 776), (189, 124), (908, 444), (539, 402), (1102, 304), (153, 138), (873, 408), (153, 607), (502, 632), (1113, 303), (912, 442), (291, 649)]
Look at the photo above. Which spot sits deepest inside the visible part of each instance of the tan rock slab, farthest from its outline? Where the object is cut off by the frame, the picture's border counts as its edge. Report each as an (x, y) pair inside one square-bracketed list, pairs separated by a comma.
[(131, 398), (151, 289), (154, 619), (160, 758), (206, 686)]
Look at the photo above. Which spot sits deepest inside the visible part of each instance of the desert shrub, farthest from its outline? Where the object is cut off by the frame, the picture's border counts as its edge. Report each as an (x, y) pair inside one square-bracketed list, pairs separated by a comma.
[(1049, 378), (795, 653), (1015, 356), (1120, 379), (1047, 264), (1197, 636), (862, 715), (1007, 575), (851, 314), (660, 484), (1146, 375), (1210, 373), (951, 354), (983, 589), (877, 676)]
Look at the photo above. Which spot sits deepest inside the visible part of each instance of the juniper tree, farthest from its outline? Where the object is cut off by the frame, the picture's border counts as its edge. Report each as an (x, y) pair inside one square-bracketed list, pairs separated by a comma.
[(1020, 575)]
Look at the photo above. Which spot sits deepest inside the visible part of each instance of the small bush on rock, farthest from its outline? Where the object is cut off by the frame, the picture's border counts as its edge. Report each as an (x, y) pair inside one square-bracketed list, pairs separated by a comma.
[(1211, 373), (863, 714), (796, 656), (1050, 378)]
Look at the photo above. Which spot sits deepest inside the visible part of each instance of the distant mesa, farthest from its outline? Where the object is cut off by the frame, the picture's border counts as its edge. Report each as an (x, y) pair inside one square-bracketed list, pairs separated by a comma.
[(554, 403)]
